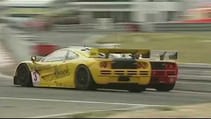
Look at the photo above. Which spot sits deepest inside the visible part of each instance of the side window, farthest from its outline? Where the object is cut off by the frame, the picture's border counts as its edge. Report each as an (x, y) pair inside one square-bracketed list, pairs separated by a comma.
[(71, 55), (58, 55)]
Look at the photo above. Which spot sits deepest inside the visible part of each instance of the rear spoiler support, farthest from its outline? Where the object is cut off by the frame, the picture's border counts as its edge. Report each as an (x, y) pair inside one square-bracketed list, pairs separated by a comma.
[(171, 55)]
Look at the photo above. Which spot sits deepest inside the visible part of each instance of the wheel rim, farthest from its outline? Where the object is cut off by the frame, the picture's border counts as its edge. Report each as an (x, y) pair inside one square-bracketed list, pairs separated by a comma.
[(82, 77), (22, 74)]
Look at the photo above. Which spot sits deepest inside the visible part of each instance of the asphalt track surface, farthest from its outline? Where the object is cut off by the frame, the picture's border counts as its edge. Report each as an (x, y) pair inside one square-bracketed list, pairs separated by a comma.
[(19, 102)]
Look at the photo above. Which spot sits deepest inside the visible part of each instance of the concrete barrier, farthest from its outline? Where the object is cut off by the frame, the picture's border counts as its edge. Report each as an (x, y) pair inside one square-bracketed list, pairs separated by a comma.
[(17, 42), (173, 27), (194, 77)]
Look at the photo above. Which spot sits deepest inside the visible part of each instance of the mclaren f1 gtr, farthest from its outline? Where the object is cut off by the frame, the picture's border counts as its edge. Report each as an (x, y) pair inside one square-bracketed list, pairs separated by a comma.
[(86, 68), (164, 70)]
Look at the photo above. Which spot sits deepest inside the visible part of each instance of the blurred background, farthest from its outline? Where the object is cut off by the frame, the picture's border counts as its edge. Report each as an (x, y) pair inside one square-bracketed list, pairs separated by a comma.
[(38, 27)]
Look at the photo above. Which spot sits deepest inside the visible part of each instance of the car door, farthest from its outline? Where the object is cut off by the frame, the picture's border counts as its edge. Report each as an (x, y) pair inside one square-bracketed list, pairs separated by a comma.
[(48, 67), (64, 70)]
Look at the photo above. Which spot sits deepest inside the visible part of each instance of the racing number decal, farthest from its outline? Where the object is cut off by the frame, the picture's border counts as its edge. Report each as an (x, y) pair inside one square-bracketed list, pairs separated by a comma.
[(35, 78)]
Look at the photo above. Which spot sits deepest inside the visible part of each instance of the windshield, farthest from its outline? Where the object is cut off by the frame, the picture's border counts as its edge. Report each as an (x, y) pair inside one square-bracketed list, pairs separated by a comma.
[(58, 55)]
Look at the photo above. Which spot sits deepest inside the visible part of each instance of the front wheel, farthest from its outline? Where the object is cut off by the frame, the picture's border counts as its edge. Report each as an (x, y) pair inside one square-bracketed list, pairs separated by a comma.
[(23, 76), (83, 80), (165, 87)]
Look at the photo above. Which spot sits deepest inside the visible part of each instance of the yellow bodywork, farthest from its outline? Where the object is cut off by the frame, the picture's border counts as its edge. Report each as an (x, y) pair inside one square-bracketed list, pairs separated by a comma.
[(62, 73), (107, 75)]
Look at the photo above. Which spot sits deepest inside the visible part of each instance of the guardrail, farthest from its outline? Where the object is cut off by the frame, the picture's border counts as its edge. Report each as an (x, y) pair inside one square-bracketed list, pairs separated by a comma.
[(112, 27), (134, 27), (169, 27), (194, 77)]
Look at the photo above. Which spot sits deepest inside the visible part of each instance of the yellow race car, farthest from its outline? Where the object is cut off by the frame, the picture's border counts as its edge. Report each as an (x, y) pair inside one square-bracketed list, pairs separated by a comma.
[(86, 68)]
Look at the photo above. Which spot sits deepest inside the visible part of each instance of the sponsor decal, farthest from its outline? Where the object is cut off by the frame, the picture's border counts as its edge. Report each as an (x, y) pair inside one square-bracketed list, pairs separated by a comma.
[(35, 78), (61, 72)]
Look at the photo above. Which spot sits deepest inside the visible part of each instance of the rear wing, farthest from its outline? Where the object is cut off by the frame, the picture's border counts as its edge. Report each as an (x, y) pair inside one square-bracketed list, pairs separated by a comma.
[(164, 54), (136, 53)]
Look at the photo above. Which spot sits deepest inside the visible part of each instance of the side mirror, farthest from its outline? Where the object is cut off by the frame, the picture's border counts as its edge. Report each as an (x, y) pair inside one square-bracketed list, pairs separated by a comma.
[(33, 59)]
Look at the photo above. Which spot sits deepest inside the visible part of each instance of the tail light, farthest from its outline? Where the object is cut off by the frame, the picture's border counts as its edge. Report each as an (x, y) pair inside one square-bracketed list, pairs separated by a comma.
[(173, 67), (142, 65), (170, 66), (155, 73), (104, 64)]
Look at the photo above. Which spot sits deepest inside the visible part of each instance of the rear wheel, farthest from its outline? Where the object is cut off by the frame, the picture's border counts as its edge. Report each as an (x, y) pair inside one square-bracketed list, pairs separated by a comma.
[(23, 76), (165, 87), (83, 80)]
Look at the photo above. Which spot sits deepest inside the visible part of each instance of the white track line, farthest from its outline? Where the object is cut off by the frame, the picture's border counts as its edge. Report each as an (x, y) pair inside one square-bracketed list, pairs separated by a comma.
[(5, 77), (71, 101), (75, 113), (76, 101)]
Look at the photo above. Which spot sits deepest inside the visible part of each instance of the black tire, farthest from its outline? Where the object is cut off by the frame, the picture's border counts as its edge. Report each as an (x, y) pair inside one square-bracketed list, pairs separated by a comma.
[(83, 79), (23, 76), (165, 87), (136, 88)]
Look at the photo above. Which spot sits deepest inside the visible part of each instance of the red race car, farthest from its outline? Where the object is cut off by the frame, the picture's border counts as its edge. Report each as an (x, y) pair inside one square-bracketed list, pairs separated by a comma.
[(164, 71)]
